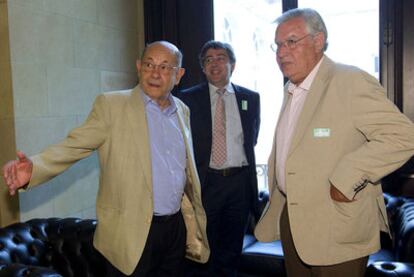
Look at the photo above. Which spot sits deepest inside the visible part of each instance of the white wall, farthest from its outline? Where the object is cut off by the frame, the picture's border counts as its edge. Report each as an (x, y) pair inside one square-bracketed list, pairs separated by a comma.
[(64, 53)]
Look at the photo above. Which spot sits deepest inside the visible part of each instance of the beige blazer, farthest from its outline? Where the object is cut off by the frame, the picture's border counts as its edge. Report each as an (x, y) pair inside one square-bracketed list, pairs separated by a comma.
[(116, 127), (349, 135)]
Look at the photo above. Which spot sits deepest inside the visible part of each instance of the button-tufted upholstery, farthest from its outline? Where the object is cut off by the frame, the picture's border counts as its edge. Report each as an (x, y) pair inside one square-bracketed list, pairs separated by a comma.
[(50, 247), (404, 232), (402, 226)]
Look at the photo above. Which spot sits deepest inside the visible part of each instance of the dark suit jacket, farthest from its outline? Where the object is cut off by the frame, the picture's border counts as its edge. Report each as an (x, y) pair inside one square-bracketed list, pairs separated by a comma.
[(197, 98)]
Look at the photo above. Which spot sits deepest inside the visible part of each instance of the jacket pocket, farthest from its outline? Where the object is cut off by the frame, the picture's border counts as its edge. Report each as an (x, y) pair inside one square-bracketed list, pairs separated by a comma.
[(353, 222)]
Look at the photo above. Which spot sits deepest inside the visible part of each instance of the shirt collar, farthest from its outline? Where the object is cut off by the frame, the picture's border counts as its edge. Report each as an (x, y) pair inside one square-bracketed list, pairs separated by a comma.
[(229, 88), (172, 108), (306, 84)]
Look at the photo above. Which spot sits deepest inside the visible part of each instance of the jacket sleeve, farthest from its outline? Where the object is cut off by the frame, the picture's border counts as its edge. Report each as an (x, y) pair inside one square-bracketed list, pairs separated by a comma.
[(389, 137)]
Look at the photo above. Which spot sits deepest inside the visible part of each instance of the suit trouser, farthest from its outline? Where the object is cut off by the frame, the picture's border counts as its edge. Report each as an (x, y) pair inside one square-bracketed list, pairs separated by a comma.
[(164, 250), (226, 200), (296, 268)]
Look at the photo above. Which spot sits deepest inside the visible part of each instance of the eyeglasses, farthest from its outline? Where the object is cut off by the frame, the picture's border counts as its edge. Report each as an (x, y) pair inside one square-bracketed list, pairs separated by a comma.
[(289, 43), (163, 68), (219, 59)]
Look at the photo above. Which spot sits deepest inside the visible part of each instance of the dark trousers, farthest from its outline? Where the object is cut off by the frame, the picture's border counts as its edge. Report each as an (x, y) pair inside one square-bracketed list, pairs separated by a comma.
[(164, 250), (226, 200), (296, 268)]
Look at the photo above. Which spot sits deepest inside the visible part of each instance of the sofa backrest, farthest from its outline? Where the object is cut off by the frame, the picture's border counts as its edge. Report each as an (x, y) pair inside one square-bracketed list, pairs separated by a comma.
[(66, 245), (263, 198), (403, 231)]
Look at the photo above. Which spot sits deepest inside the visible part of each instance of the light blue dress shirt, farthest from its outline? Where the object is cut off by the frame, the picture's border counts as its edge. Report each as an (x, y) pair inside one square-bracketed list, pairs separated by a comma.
[(168, 156)]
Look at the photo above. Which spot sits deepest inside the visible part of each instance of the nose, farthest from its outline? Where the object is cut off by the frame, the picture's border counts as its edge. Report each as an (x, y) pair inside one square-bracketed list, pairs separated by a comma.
[(156, 71), (282, 51)]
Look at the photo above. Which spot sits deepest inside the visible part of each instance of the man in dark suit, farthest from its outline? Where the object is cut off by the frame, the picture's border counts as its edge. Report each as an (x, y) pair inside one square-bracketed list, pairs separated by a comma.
[(225, 121)]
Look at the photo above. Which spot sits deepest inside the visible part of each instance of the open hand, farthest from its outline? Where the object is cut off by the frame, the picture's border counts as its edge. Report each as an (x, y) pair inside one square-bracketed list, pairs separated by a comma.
[(17, 173)]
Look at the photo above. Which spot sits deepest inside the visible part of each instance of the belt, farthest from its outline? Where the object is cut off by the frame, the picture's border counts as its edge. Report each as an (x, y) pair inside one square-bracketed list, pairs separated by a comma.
[(225, 172), (164, 218)]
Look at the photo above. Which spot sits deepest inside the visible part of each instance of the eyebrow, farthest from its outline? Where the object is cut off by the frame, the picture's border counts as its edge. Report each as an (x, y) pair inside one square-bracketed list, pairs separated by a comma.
[(288, 38), (223, 55), (152, 60)]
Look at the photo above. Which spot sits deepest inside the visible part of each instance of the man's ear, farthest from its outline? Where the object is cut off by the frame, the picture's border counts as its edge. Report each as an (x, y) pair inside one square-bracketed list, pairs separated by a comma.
[(180, 74), (319, 39), (138, 65), (233, 66)]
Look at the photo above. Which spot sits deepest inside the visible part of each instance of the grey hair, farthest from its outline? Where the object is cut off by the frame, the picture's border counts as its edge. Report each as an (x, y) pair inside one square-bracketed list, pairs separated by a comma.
[(169, 45), (313, 20)]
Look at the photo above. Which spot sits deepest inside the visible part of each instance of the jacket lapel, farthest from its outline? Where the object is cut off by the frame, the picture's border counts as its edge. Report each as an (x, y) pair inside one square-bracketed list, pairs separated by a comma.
[(243, 105), (185, 131), (138, 123), (272, 157), (316, 92), (205, 103), (203, 108)]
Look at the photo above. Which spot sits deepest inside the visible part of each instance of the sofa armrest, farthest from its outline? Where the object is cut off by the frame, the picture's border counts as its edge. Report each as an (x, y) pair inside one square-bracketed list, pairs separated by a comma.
[(392, 269), (21, 270)]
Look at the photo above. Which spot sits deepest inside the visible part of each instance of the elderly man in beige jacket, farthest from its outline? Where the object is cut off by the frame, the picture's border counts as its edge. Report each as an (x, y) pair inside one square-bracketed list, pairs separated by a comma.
[(149, 190), (337, 136)]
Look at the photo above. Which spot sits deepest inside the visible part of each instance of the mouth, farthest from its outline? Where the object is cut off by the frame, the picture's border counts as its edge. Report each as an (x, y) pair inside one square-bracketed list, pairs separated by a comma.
[(153, 85), (215, 72), (285, 64)]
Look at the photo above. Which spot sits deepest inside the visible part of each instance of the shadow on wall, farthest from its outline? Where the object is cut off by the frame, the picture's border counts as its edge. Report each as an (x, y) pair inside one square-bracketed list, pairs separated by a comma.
[(66, 194)]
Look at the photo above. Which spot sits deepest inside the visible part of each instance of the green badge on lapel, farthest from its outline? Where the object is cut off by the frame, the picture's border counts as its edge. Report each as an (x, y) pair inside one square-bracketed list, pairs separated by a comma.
[(244, 105), (321, 132)]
